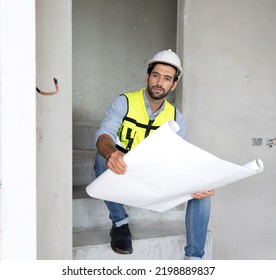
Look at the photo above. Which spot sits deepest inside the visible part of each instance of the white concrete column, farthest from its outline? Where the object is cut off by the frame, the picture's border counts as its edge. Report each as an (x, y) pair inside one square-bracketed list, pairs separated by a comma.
[(18, 128), (180, 50), (54, 129)]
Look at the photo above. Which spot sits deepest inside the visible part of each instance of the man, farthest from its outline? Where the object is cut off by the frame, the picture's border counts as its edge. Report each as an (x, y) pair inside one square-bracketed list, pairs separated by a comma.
[(131, 118)]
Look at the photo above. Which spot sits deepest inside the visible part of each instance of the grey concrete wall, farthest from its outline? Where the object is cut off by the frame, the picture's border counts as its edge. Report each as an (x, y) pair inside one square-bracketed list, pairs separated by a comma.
[(54, 129), (229, 98), (112, 43)]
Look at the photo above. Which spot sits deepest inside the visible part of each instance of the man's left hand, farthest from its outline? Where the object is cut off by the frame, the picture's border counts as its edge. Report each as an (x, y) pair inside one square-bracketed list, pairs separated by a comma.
[(200, 195)]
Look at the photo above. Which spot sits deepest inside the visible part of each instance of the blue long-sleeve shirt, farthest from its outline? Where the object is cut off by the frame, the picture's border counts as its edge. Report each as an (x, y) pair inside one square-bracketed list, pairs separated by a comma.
[(117, 111)]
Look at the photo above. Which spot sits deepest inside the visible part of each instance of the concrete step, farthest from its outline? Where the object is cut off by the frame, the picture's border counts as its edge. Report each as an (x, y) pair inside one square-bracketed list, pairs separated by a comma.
[(83, 167), (84, 135), (155, 241), (89, 212)]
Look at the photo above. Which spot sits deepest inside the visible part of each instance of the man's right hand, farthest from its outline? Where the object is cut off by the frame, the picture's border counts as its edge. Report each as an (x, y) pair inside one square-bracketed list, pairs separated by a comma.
[(116, 163), (114, 157)]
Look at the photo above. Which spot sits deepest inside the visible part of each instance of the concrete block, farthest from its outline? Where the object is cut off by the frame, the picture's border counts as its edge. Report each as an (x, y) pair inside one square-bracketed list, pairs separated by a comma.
[(83, 167), (84, 135)]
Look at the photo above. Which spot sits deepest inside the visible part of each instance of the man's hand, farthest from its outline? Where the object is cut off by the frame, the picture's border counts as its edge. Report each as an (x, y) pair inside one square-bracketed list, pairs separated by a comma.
[(200, 195), (116, 163), (114, 158)]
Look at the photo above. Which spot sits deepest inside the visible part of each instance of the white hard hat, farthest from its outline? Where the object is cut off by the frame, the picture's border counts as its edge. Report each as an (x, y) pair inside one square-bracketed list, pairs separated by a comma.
[(168, 57)]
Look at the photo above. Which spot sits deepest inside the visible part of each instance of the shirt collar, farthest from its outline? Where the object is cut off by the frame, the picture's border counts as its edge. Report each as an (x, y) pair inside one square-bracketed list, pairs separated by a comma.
[(147, 104)]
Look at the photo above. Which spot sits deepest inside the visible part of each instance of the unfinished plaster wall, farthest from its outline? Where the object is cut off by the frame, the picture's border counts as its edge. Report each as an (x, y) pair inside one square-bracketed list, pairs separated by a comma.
[(229, 98), (54, 129), (112, 43)]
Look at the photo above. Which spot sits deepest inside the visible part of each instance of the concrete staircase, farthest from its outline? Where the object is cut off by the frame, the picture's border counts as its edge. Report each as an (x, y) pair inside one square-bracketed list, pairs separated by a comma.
[(155, 235)]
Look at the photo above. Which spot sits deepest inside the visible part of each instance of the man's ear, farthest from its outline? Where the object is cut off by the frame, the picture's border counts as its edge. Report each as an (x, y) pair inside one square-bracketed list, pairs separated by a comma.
[(147, 77), (174, 85)]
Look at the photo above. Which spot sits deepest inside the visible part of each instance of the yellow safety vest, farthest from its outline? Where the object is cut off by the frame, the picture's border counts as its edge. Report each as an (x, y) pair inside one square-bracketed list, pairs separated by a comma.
[(136, 124)]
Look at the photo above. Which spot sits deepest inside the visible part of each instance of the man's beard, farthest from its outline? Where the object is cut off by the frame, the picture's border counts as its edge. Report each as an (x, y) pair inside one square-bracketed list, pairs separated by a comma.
[(157, 96)]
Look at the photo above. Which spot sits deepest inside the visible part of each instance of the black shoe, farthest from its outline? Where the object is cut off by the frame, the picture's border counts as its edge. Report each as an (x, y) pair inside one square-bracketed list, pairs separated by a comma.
[(121, 240)]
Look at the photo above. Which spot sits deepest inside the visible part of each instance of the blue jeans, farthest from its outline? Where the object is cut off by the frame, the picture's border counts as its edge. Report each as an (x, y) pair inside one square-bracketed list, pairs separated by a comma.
[(196, 221)]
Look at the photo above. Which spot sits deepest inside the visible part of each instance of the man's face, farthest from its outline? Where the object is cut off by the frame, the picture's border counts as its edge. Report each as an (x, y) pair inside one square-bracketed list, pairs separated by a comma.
[(161, 81)]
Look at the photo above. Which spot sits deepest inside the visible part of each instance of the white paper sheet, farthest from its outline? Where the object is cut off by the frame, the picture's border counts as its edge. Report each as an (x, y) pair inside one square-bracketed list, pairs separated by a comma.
[(164, 170)]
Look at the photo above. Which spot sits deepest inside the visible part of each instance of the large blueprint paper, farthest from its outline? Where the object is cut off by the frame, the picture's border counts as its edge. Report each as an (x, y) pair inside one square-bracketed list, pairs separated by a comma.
[(164, 170)]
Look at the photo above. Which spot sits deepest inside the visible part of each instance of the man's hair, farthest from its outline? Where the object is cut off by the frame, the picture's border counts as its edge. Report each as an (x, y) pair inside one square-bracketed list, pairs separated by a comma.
[(151, 67)]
